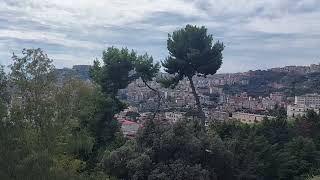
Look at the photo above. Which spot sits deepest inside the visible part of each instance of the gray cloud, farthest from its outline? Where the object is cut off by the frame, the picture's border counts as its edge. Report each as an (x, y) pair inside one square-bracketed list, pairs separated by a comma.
[(257, 34)]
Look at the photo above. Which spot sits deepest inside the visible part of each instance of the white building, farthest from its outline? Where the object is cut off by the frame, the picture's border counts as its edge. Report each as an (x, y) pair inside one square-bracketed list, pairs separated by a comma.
[(299, 110), (174, 117), (302, 104), (309, 100)]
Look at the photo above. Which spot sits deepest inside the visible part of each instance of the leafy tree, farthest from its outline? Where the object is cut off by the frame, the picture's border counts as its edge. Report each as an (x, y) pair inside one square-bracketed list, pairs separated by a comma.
[(192, 53), (179, 170), (29, 130), (303, 158), (117, 70), (279, 112), (275, 130), (162, 151), (4, 94), (308, 125), (33, 101), (147, 70), (120, 67), (46, 134), (248, 148), (115, 73)]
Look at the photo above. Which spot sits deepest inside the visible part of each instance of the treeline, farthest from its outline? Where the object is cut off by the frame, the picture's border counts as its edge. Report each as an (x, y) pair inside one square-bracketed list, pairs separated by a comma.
[(274, 149), (49, 131), (53, 130), (57, 131)]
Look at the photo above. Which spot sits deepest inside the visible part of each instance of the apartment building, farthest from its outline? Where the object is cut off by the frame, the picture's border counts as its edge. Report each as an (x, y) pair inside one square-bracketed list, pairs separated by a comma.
[(309, 100)]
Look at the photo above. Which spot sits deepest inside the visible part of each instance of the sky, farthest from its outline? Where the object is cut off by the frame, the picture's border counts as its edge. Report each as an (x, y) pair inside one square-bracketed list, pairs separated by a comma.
[(258, 34)]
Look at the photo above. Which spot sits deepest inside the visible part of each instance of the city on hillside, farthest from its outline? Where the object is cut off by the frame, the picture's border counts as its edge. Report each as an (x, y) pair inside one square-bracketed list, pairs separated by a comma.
[(248, 97)]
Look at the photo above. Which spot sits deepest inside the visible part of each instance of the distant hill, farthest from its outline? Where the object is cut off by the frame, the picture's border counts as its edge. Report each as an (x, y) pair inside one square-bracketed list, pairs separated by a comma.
[(80, 71), (293, 80)]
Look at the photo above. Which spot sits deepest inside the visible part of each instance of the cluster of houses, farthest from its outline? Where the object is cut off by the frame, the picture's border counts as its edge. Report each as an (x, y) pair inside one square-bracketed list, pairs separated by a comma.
[(218, 106), (300, 106)]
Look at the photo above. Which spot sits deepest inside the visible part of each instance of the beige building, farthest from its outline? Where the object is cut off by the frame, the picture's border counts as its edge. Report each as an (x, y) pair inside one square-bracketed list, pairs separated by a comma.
[(299, 110), (249, 118)]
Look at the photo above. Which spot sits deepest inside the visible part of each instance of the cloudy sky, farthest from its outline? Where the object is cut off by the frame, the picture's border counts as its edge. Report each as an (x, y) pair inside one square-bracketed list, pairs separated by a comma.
[(258, 34)]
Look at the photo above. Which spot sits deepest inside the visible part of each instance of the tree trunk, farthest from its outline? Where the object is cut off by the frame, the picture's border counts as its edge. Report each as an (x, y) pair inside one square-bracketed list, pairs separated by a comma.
[(159, 99), (199, 108)]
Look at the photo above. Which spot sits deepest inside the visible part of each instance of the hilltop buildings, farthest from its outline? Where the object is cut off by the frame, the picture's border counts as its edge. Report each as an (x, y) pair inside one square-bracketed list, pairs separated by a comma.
[(298, 69)]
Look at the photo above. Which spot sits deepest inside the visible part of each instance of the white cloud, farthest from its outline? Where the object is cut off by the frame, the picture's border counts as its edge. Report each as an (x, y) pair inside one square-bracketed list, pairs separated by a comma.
[(96, 12), (306, 23), (68, 60), (48, 37), (249, 28)]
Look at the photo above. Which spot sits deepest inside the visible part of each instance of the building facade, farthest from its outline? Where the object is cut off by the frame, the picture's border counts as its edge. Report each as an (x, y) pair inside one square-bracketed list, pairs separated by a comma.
[(249, 118), (299, 110), (309, 100)]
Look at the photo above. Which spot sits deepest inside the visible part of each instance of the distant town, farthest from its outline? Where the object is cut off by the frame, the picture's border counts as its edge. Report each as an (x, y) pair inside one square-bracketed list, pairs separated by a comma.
[(247, 104)]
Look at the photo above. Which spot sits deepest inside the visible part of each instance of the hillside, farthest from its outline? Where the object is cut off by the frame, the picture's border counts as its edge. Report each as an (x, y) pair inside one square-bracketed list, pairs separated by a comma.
[(262, 83)]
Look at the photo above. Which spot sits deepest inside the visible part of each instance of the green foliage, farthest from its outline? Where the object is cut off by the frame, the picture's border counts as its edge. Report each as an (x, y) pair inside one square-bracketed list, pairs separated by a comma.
[(145, 68), (192, 52), (4, 93), (308, 126), (179, 170), (304, 157), (273, 149), (47, 133), (275, 130), (279, 112), (114, 74), (171, 152)]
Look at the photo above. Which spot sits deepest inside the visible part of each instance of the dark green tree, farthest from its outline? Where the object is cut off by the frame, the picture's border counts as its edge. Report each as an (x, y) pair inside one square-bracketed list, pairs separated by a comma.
[(115, 72), (120, 67), (279, 112), (34, 135), (147, 70), (4, 93), (33, 83), (179, 151), (275, 130), (302, 158), (192, 52)]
